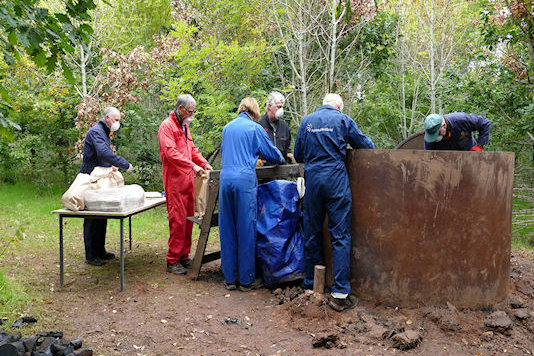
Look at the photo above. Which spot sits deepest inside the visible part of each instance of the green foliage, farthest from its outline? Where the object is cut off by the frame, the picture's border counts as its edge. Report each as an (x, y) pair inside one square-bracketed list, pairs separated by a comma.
[(217, 73), (236, 20), (376, 40), (44, 36), (43, 149), (123, 25), (140, 127)]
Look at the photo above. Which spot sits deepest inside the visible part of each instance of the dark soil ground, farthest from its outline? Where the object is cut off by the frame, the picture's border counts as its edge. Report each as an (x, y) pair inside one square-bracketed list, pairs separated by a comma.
[(163, 314)]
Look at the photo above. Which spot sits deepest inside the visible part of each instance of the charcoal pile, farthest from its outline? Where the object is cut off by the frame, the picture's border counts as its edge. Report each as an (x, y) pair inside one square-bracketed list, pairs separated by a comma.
[(286, 294), (42, 344)]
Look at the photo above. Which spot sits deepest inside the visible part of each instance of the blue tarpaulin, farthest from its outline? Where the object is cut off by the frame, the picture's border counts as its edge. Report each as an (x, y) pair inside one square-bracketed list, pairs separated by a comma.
[(279, 242)]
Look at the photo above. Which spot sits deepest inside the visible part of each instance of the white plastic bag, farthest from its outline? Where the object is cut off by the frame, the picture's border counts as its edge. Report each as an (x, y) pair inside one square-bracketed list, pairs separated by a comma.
[(123, 198)]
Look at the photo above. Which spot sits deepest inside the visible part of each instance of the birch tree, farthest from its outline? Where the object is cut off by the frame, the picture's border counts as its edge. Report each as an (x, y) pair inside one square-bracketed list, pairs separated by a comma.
[(437, 28), (317, 51)]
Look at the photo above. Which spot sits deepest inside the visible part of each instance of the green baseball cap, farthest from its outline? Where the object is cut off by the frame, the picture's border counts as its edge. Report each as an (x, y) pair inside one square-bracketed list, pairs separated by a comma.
[(432, 125)]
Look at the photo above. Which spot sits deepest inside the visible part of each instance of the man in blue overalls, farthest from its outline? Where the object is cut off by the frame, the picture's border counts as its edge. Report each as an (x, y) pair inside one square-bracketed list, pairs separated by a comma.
[(454, 132), (321, 144)]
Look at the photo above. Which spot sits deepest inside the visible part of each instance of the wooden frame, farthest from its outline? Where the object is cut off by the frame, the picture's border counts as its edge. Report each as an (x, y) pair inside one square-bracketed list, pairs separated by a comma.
[(211, 218)]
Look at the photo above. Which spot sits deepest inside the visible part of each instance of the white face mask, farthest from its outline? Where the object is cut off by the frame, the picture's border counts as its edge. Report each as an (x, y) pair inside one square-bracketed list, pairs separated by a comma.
[(439, 138), (115, 126), (279, 113), (188, 120)]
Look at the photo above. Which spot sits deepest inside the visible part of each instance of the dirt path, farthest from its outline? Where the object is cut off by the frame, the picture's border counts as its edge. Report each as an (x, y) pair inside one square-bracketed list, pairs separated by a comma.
[(163, 314)]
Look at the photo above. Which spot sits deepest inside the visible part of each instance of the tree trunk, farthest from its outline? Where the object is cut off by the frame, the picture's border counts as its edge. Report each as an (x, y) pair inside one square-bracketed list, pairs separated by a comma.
[(333, 46), (302, 66), (83, 66), (432, 61)]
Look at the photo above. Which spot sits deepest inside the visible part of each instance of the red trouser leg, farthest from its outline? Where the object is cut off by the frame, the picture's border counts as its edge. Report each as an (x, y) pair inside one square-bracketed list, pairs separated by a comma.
[(180, 205)]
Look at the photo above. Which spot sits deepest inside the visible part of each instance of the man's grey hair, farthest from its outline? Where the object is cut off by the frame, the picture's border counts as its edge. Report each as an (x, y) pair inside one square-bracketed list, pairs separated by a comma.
[(334, 100), (110, 110), (185, 100), (275, 97)]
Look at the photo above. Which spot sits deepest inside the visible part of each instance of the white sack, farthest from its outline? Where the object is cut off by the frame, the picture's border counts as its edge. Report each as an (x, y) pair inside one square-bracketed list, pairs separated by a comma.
[(123, 198), (101, 177), (72, 199), (201, 193), (107, 177)]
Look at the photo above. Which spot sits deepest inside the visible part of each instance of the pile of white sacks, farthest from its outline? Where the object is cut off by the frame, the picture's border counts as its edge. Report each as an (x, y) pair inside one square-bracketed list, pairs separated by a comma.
[(102, 190)]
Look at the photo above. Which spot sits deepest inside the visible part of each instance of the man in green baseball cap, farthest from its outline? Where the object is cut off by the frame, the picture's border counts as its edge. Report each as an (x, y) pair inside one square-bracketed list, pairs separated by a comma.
[(454, 132)]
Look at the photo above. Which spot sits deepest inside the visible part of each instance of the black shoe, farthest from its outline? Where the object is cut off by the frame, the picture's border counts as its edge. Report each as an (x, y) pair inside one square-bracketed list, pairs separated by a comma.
[(340, 304), (258, 283), (96, 262), (230, 286), (108, 256), (176, 268), (187, 263)]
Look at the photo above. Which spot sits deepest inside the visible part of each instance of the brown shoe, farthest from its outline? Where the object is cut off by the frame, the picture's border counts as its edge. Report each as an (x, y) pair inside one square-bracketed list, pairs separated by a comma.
[(340, 304), (258, 283), (176, 268)]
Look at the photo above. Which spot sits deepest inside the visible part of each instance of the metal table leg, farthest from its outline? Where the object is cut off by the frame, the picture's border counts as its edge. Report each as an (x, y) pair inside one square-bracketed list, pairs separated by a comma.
[(130, 230), (61, 250), (122, 254)]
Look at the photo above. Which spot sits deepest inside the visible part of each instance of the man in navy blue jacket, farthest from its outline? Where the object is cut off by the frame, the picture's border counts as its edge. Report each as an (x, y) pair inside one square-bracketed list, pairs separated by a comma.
[(97, 152), (321, 144), (454, 132)]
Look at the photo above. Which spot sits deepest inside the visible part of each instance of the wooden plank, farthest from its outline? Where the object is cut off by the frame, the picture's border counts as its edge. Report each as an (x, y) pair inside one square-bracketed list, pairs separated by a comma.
[(318, 279), (280, 172), (205, 226), (272, 172)]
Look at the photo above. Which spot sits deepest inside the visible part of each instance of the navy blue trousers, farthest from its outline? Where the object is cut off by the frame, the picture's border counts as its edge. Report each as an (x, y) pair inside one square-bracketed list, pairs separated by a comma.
[(328, 192), (94, 237)]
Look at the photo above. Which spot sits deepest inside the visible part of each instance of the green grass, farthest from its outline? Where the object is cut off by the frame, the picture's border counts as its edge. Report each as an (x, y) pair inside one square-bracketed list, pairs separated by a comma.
[(522, 217), (13, 300), (29, 236)]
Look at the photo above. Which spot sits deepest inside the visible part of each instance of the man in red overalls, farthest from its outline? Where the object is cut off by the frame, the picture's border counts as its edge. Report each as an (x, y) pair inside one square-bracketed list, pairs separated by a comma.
[(181, 161)]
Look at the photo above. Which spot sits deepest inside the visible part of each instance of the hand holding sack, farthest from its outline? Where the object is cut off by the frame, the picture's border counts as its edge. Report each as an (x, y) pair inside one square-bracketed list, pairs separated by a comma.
[(201, 193)]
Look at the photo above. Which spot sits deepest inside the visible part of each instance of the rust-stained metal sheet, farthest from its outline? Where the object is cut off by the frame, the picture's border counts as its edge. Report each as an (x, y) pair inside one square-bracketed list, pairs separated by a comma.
[(413, 142), (430, 227)]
